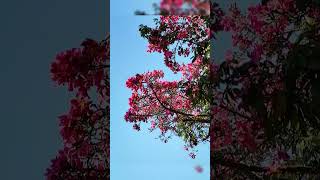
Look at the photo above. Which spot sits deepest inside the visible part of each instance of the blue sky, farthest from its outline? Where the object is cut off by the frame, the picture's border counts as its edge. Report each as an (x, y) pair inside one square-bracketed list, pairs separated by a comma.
[(139, 155)]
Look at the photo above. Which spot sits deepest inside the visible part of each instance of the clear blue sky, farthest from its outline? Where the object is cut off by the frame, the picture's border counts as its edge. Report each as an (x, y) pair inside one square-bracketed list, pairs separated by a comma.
[(138, 155)]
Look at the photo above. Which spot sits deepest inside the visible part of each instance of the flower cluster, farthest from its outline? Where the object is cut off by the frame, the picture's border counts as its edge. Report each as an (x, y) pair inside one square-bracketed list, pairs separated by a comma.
[(185, 7), (177, 35), (85, 129), (81, 68), (270, 29), (153, 97)]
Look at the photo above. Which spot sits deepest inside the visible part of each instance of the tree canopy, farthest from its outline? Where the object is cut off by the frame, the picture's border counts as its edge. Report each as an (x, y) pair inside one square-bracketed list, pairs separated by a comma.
[(85, 128)]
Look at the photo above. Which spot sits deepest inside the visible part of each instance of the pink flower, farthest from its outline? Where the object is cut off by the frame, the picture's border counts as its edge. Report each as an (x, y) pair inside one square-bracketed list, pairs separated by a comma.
[(168, 54), (199, 169)]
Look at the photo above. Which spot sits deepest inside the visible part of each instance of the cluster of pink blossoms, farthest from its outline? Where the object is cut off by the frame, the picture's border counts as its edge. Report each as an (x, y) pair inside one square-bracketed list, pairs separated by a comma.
[(154, 97), (268, 30), (81, 68), (185, 33), (85, 129), (185, 7)]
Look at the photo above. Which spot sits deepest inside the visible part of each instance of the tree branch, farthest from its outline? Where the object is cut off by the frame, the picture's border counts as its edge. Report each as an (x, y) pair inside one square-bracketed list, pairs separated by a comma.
[(179, 112)]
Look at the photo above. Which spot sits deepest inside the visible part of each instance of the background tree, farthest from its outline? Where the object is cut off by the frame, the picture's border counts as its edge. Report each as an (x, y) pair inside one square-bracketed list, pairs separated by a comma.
[(85, 129), (270, 81)]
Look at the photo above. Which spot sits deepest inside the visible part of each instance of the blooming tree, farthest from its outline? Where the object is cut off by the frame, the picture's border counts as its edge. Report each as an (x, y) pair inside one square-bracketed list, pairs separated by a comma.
[(259, 107), (270, 85), (175, 106), (85, 128)]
